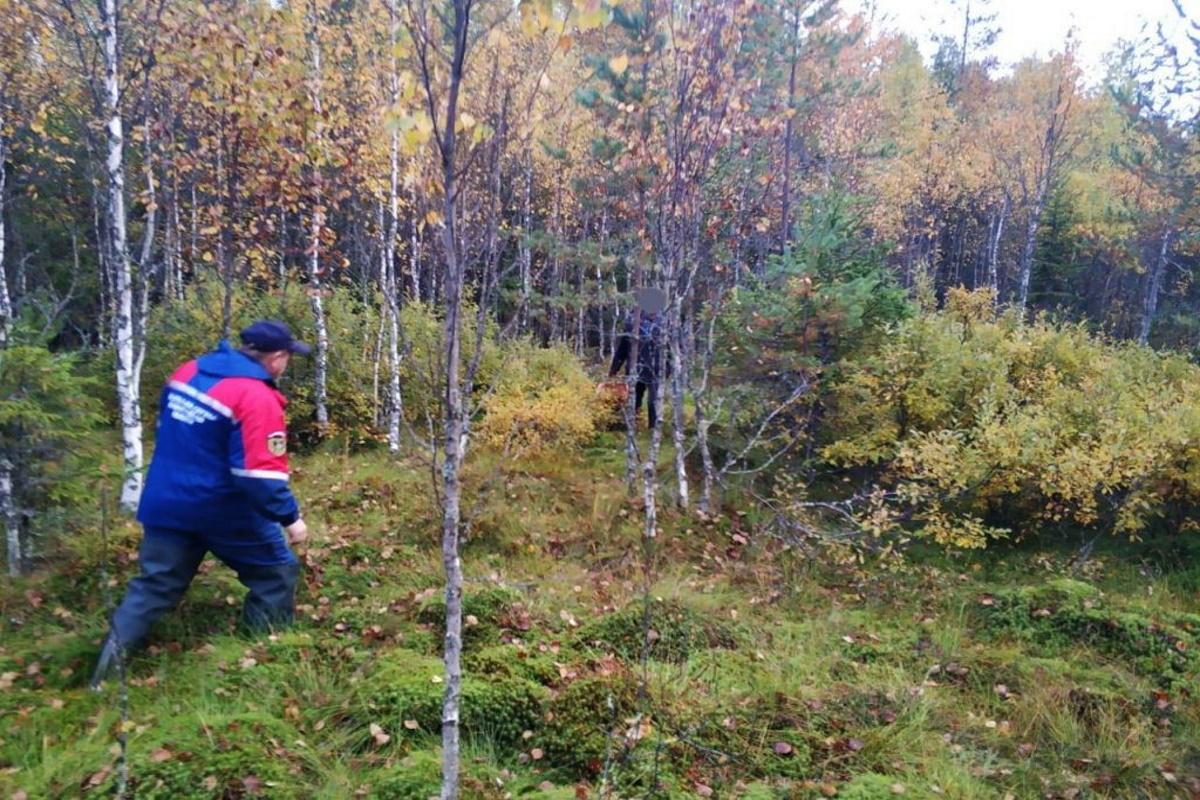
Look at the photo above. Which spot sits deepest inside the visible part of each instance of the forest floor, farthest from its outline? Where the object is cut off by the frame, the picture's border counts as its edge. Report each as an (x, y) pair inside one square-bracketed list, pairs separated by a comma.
[(771, 673)]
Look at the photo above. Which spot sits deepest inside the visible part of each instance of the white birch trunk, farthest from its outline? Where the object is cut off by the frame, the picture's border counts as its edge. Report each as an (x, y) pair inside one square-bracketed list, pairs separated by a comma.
[(705, 504), (650, 477), (455, 418), (377, 409), (994, 257), (1028, 250), (127, 348), (1153, 287), (317, 223), (12, 525), (6, 307), (1045, 178), (678, 439), (526, 253), (391, 289)]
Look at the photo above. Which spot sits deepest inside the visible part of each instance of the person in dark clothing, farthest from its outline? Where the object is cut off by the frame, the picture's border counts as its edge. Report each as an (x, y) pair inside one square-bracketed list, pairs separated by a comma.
[(649, 360)]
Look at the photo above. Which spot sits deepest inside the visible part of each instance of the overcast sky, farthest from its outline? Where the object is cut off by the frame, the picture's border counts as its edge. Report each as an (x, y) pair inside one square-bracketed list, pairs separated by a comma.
[(1036, 27)]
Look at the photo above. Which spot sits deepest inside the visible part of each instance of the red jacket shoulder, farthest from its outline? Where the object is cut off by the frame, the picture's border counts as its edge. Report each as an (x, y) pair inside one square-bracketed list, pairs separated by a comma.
[(248, 396)]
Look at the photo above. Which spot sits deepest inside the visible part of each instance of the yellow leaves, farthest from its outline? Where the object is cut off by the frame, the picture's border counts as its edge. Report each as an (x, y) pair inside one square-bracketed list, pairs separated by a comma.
[(415, 128), (536, 16), (619, 64), (590, 14), (1038, 422), (548, 402)]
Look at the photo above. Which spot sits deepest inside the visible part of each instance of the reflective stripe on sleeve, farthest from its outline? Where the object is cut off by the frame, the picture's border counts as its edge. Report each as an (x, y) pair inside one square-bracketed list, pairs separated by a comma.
[(269, 474)]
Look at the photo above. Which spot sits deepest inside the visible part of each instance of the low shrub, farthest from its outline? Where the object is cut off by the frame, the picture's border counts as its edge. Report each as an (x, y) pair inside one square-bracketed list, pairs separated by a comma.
[(987, 426), (543, 399)]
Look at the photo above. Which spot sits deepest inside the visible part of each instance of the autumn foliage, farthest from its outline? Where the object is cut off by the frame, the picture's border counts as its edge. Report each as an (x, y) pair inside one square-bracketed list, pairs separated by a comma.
[(986, 427)]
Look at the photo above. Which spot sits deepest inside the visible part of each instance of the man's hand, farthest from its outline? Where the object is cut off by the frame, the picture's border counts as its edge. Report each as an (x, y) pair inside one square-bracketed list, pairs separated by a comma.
[(297, 532)]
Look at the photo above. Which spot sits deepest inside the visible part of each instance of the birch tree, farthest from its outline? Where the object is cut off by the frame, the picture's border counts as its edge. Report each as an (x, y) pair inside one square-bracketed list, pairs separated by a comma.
[(317, 218), (15, 62), (442, 107), (1035, 137), (127, 343), (6, 306)]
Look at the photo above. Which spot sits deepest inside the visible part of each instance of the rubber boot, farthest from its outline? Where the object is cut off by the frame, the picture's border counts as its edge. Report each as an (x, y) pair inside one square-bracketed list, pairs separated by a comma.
[(110, 655)]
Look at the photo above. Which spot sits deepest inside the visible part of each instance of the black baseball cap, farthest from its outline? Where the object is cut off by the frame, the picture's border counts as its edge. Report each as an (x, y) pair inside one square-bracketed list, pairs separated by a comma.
[(269, 336)]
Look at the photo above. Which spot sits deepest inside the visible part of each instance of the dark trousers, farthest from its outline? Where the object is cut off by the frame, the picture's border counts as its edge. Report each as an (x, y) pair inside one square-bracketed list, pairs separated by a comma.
[(169, 560), (650, 390)]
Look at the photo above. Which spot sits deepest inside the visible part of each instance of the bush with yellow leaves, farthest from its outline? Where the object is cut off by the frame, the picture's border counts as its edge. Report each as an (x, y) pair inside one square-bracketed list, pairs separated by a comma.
[(987, 426), (542, 399)]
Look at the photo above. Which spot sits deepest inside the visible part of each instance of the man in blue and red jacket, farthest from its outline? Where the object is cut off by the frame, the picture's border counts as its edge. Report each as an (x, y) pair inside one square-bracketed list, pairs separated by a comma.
[(218, 483)]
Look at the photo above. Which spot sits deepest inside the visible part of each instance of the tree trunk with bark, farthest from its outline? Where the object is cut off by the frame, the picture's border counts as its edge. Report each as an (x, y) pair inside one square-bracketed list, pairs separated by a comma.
[(678, 385), (994, 255), (525, 254), (1153, 287), (124, 335), (785, 221), (444, 116), (706, 503), (391, 289), (12, 521), (316, 224), (6, 305), (1028, 250)]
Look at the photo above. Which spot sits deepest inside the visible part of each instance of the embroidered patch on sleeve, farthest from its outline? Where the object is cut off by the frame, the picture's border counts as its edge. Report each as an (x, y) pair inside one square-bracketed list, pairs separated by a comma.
[(277, 443)]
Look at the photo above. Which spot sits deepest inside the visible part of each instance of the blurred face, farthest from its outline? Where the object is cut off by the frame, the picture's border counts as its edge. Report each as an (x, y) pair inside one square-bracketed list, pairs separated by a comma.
[(277, 363)]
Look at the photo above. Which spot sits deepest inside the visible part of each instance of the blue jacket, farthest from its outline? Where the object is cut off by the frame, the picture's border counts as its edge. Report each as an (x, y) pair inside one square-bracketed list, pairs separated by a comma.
[(220, 466)]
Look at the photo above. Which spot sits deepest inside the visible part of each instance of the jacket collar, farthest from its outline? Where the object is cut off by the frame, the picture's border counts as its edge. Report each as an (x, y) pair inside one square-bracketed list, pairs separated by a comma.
[(226, 362)]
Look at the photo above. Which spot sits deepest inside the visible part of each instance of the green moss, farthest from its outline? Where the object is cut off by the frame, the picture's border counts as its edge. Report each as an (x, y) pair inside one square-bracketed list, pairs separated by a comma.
[(1058, 592), (676, 632), (577, 734), (758, 791), (419, 776), (486, 613), (1067, 612), (873, 786), (512, 661), (211, 758), (30, 727), (407, 687), (756, 737)]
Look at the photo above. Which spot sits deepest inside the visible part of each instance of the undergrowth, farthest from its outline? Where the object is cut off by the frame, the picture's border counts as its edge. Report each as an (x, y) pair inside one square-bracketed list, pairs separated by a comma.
[(1013, 673)]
